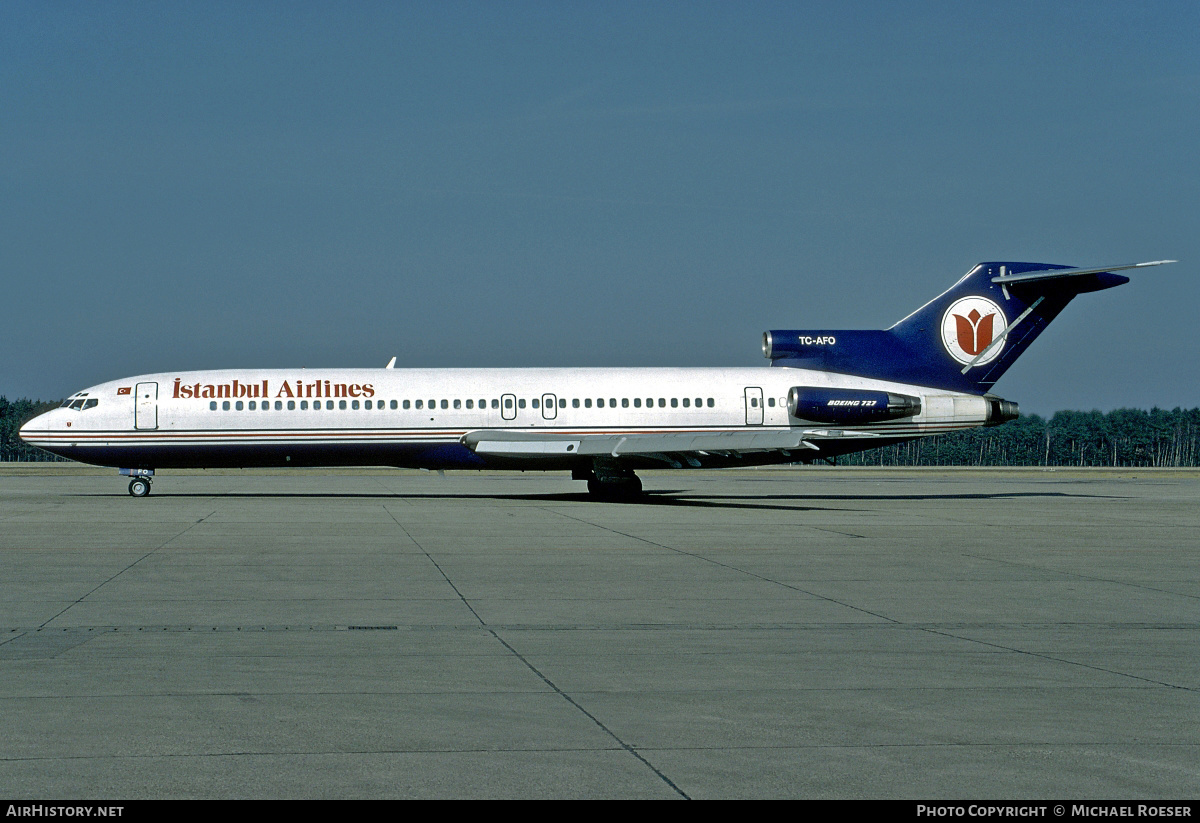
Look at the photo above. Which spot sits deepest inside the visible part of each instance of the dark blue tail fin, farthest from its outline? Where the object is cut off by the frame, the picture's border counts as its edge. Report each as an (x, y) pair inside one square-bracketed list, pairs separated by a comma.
[(962, 340)]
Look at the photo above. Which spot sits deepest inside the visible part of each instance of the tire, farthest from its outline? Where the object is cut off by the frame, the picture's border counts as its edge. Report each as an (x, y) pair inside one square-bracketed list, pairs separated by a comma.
[(627, 488), (139, 487)]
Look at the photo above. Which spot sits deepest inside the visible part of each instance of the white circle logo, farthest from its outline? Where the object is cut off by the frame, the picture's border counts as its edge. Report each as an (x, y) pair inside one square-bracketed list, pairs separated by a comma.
[(971, 327)]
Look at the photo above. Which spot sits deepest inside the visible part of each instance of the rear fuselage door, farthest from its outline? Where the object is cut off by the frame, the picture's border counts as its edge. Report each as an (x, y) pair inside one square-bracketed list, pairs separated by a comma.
[(549, 406), (754, 406), (145, 410)]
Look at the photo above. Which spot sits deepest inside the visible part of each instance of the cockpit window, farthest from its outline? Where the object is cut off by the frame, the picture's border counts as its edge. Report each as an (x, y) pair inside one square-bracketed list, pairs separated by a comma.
[(91, 404), (77, 403)]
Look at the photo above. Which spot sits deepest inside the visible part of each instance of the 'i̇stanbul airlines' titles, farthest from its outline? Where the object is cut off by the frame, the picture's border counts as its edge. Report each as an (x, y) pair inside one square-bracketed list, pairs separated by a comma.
[(293, 388)]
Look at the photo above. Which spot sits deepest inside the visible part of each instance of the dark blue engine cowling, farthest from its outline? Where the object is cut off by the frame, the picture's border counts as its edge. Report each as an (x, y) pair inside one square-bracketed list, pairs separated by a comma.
[(825, 405)]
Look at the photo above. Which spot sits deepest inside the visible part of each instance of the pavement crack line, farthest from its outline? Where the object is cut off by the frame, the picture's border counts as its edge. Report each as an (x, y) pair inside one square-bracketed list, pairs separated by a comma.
[(798, 747), (525, 662), (104, 583), (1055, 659), (893, 620), (746, 572), (1093, 578)]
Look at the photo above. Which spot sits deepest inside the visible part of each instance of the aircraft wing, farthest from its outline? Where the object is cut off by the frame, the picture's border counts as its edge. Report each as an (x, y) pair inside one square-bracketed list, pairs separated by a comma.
[(509, 443)]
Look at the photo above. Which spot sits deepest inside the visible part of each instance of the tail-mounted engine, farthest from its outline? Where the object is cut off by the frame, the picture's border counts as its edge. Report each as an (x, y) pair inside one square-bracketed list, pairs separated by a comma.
[(824, 405)]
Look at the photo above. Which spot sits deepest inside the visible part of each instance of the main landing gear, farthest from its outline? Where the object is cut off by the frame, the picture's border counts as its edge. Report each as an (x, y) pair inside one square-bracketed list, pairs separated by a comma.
[(139, 486), (609, 483)]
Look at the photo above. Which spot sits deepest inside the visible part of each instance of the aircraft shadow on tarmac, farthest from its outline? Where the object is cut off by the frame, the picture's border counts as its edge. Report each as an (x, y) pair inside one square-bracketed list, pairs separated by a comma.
[(679, 498)]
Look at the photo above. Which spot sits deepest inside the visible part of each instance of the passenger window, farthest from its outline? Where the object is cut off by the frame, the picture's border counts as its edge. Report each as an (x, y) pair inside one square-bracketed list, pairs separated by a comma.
[(393, 404), (291, 405), (710, 403), (575, 403), (495, 403), (238, 405), (342, 405), (624, 402), (303, 405), (599, 402), (329, 404), (521, 403), (754, 402), (433, 404), (699, 402), (562, 402), (508, 402), (353, 404), (458, 404), (367, 405), (224, 405), (687, 402), (662, 402), (212, 405), (637, 402), (612, 402), (587, 402), (252, 406), (445, 404), (278, 405), (470, 403), (420, 404)]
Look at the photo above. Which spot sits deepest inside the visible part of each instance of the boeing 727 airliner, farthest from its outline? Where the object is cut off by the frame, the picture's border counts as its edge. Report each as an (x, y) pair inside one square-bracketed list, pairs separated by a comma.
[(827, 393)]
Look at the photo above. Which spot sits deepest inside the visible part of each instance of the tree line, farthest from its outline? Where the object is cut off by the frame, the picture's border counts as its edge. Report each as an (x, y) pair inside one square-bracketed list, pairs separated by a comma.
[(1123, 438), (13, 415), (1130, 438)]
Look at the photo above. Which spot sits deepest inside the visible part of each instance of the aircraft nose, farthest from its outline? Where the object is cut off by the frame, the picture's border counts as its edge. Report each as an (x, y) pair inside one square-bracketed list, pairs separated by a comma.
[(32, 428)]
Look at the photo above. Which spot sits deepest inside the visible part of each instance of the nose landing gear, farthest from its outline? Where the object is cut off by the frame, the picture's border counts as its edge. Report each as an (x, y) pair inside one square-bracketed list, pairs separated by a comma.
[(139, 486)]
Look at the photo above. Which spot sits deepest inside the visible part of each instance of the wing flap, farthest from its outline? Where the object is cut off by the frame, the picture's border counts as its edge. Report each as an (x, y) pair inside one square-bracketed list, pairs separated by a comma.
[(524, 448), (544, 443)]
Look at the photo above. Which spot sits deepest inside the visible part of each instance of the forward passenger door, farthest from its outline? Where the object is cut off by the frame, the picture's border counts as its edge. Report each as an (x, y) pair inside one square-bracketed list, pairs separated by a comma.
[(145, 410)]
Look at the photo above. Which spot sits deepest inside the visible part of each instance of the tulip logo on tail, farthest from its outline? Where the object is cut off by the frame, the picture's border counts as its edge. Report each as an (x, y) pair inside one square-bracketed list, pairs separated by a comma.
[(970, 327)]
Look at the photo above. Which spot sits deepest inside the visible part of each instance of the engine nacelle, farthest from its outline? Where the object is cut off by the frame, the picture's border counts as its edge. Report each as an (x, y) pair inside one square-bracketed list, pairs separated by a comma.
[(825, 405), (1001, 411)]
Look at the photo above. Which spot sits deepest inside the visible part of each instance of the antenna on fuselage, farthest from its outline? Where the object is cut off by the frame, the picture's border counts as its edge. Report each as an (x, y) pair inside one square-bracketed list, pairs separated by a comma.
[(391, 363)]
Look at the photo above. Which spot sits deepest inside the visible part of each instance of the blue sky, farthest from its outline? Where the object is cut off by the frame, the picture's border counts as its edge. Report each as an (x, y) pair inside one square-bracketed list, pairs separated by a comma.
[(215, 185)]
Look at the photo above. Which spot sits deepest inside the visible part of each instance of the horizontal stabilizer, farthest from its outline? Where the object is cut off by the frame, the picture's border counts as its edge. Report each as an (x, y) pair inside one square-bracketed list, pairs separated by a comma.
[(1058, 274)]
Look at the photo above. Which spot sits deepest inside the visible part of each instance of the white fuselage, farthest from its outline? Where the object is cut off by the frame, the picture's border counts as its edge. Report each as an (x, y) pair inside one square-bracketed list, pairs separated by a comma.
[(431, 418)]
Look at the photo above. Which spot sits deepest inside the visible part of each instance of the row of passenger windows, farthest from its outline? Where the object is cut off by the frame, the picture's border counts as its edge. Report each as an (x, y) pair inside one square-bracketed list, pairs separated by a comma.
[(587, 403)]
